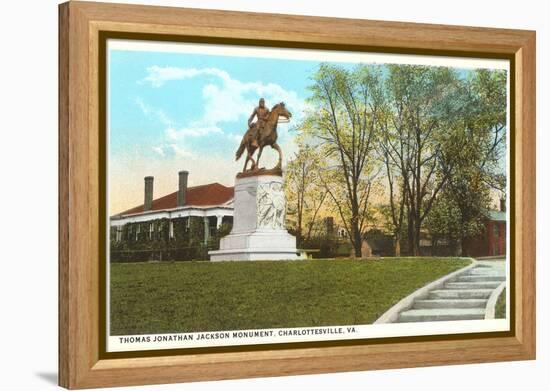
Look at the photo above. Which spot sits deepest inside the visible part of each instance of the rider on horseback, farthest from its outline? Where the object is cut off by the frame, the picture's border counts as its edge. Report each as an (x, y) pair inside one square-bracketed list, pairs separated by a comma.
[(261, 113), (262, 133)]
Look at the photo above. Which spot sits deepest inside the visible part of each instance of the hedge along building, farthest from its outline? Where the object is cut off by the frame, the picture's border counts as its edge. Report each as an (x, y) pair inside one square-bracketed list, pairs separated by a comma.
[(190, 216)]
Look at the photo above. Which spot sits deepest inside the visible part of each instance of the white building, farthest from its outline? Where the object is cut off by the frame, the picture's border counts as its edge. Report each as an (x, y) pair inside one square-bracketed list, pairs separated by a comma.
[(212, 202)]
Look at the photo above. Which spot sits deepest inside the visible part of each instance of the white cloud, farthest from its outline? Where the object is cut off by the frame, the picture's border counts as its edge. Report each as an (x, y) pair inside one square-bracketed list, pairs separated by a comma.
[(180, 151), (232, 99), (198, 131), (150, 110), (225, 99), (157, 76), (172, 149), (159, 150)]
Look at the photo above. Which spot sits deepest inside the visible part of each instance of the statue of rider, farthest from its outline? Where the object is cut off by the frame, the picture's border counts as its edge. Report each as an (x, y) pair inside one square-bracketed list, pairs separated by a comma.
[(261, 113)]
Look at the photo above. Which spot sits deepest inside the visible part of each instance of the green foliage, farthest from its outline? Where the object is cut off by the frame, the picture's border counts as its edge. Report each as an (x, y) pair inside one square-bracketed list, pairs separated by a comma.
[(444, 221), (439, 135), (422, 103), (140, 244), (500, 307), (344, 126), (475, 150), (206, 296), (222, 231), (380, 243), (429, 141), (329, 247), (305, 194)]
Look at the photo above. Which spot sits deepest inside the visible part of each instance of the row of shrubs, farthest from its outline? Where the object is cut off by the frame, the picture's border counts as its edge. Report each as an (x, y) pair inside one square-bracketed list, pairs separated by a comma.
[(177, 254), (186, 243)]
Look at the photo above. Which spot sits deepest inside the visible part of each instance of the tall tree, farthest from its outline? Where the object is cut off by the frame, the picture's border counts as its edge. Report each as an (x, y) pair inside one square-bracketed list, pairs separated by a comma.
[(344, 123), (305, 192), (439, 134), (480, 119), (454, 218), (415, 127), (396, 153), (487, 119)]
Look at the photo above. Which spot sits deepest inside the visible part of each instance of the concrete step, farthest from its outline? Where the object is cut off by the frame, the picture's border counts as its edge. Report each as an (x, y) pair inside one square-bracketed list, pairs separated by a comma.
[(472, 285), (483, 269), (460, 294), (479, 277), (450, 303), (437, 314)]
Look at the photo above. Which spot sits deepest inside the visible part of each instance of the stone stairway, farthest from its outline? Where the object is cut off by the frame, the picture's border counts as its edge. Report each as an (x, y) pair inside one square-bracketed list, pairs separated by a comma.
[(462, 298)]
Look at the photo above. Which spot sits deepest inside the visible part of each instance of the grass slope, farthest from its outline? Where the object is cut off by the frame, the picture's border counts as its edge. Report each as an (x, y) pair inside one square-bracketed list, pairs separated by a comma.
[(500, 307), (207, 296)]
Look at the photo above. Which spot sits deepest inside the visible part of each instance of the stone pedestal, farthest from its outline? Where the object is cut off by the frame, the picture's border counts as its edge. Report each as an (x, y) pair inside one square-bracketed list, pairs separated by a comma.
[(258, 223)]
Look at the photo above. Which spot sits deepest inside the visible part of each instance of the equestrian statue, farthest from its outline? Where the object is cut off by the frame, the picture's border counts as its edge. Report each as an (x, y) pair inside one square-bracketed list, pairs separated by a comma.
[(262, 133)]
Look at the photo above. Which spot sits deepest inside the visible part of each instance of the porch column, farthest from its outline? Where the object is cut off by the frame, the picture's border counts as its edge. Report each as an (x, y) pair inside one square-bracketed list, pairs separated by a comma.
[(218, 221), (206, 229)]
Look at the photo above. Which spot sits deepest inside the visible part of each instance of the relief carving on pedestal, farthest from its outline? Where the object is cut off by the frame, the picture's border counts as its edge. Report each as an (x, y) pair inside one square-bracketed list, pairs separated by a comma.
[(270, 203)]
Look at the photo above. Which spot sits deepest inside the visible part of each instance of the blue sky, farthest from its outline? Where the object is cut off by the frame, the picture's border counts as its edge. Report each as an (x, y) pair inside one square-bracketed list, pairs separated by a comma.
[(158, 98), (172, 111), (175, 111)]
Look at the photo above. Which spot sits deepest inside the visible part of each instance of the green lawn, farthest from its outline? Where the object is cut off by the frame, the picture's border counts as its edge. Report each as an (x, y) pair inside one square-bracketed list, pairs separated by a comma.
[(500, 307), (206, 296)]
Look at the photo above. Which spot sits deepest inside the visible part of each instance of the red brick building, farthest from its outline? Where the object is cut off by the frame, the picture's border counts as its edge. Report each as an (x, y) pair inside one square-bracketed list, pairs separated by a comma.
[(492, 241)]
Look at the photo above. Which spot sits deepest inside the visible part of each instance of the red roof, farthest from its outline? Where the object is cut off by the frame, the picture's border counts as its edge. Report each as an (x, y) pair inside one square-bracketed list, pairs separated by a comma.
[(204, 195)]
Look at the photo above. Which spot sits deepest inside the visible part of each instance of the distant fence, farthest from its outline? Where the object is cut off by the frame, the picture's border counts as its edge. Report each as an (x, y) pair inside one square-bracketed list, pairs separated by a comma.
[(160, 255)]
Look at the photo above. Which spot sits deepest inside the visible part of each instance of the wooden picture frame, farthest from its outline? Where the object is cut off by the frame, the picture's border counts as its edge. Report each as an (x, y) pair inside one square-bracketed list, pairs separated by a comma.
[(81, 25)]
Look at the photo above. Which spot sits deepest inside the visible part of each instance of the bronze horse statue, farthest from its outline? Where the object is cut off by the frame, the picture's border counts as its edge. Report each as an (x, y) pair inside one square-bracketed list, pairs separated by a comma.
[(255, 138)]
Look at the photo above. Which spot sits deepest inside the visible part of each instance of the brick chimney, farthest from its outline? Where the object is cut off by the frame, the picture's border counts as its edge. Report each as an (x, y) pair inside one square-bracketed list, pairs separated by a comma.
[(182, 188), (148, 203)]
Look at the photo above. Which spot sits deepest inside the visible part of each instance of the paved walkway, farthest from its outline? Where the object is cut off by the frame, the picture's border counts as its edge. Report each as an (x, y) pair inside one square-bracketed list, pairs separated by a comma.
[(462, 298)]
